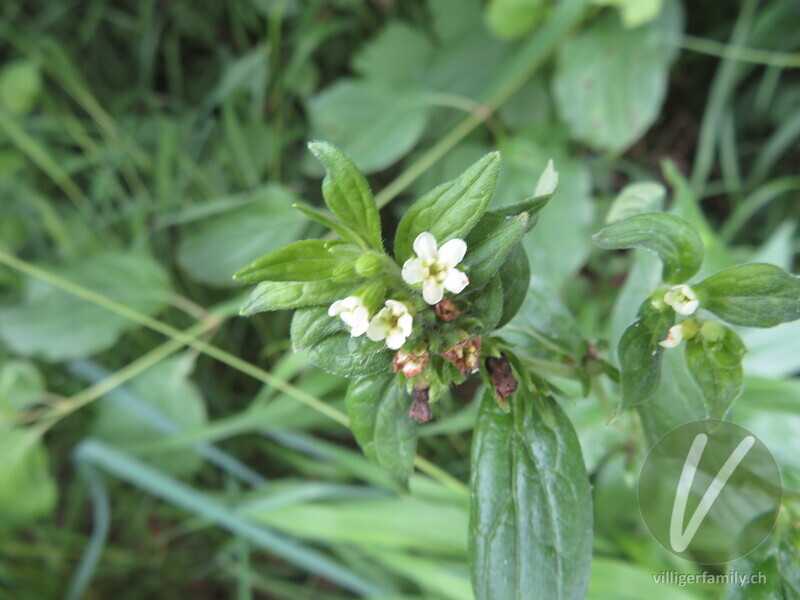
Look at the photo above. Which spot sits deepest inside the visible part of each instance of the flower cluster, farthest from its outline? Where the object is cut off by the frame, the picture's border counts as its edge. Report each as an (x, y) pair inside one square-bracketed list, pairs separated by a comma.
[(431, 273)]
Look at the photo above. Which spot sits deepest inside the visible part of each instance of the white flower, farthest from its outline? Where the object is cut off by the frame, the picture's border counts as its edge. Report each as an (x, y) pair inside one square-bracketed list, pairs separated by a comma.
[(352, 311), (683, 299), (435, 267), (678, 333), (392, 324)]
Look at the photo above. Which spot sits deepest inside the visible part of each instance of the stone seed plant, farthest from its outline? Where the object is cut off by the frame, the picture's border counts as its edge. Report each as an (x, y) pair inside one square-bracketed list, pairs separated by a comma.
[(406, 326)]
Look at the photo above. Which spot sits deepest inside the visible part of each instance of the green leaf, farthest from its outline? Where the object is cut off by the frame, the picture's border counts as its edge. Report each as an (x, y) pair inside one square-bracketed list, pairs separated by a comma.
[(347, 356), (752, 295), (305, 260), (610, 81), (376, 124), (20, 86), (509, 19), (343, 231), (486, 305), (164, 391), (282, 295), (450, 210), (716, 367), (379, 419), (212, 249), (311, 325), (21, 386), (634, 13), (531, 509), (398, 55), (57, 325), (635, 199), (673, 239), (545, 188), (27, 489), (347, 194), (640, 354), (515, 277), (489, 245)]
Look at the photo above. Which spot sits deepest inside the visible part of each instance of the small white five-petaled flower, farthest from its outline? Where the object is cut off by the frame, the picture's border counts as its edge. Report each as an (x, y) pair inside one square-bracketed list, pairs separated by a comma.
[(352, 311), (435, 267), (683, 299), (678, 333), (392, 324)]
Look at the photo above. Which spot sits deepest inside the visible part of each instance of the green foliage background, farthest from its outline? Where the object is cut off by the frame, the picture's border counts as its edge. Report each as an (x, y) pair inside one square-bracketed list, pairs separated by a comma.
[(154, 444)]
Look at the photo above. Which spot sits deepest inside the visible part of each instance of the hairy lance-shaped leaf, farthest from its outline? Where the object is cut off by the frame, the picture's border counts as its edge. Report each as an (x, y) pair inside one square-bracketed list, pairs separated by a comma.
[(281, 295), (306, 260), (515, 275), (347, 356), (489, 245), (450, 210), (635, 199), (545, 188), (715, 363), (531, 509), (673, 239), (379, 419), (640, 354), (752, 295), (343, 231), (347, 194)]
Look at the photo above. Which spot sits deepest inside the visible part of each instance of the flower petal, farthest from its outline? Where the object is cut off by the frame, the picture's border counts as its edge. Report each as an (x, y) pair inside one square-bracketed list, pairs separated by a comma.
[(378, 328), (425, 246), (395, 339), (413, 271), (396, 308), (336, 308), (686, 308), (405, 323), (456, 281), (452, 252), (432, 291)]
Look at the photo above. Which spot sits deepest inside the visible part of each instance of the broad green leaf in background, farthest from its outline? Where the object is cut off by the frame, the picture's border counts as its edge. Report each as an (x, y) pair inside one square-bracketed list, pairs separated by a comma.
[(450, 210), (20, 86), (560, 243), (375, 124), (27, 490), (212, 249), (21, 386), (515, 276), (398, 55), (619, 580), (487, 304), (348, 195), (348, 356), (531, 512), (304, 260), (610, 81), (635, 199), (673, 239), (640, 354), (378, 412), (508, 19), (752, 295), (716, 366), (489, 245), (281, 295), (167, 389), (57, 325)]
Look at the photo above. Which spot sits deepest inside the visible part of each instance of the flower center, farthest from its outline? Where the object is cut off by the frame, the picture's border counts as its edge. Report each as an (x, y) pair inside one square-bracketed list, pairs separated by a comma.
[(436, 271)]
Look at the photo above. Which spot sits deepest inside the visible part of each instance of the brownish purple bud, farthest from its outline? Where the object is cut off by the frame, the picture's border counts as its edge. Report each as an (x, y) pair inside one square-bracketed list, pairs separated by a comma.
[(421, 408), (446, 310), (465, 355), (502, 378)]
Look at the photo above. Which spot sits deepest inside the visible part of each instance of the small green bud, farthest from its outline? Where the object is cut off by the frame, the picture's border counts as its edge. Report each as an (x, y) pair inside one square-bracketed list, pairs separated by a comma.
[(370, 263), (712, 331)]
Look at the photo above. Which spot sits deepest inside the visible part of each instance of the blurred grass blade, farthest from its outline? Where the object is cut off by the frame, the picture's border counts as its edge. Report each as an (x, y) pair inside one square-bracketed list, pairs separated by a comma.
[(170, 490)]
